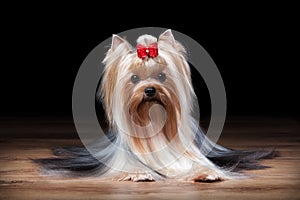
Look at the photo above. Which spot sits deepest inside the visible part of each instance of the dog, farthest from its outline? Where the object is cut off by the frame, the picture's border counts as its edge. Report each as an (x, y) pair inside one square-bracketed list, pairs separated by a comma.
[(148, 97)]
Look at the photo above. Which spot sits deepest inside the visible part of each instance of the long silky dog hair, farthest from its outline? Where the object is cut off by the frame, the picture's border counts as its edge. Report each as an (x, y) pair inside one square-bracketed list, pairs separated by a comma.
[(148, 98)]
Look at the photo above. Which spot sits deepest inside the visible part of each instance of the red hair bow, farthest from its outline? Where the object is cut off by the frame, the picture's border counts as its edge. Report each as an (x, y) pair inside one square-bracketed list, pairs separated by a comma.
[(150, 51)]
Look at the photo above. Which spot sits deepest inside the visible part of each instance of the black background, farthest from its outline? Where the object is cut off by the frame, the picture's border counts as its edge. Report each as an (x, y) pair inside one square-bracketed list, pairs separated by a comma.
[(255, 50)]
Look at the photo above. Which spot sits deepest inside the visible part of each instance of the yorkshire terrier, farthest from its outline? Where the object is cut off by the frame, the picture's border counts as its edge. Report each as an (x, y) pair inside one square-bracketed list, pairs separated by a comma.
[(148, 98)]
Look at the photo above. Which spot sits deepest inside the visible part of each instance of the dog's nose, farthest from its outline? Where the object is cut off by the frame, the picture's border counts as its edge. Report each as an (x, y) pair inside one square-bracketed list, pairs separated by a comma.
[(150, 91)]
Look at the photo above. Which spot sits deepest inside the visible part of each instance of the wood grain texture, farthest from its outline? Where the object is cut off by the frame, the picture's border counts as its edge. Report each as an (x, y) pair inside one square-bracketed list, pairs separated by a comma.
[(21, 179)]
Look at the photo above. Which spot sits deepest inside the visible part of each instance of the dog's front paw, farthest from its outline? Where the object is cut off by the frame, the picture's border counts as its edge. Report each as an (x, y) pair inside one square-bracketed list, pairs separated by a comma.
[(208, 178), (138, 177)]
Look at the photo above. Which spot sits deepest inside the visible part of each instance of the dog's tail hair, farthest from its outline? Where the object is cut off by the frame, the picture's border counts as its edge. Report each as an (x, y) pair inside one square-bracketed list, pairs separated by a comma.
[(237, 160), (78, 160), (71, 161)]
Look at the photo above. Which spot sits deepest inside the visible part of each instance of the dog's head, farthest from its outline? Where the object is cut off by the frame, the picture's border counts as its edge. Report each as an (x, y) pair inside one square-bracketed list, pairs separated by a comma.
[(151, 83)]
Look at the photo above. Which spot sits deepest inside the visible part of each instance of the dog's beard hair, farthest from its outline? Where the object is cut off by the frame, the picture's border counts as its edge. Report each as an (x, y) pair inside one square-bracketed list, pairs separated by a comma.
[(158, 136), (147, 116)]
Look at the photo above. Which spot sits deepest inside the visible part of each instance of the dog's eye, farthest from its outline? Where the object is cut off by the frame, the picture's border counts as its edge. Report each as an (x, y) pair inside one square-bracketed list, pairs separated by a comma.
[(162, 77), (135, 79)]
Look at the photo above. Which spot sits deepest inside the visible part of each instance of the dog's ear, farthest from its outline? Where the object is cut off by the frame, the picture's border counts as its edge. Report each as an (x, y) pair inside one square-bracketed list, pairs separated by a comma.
[(172, 47), (168, 37), (117, 41), (119, 48)]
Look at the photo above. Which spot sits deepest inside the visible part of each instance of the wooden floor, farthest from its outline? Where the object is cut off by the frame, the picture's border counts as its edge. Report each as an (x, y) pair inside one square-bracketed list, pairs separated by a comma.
[(24, 139)]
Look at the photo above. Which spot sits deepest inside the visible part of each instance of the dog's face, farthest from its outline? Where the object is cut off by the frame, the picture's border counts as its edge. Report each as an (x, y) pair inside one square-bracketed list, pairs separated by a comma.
[(152, 98), (144, 96)]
